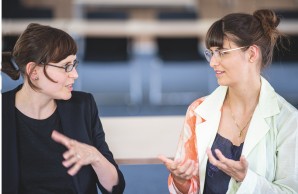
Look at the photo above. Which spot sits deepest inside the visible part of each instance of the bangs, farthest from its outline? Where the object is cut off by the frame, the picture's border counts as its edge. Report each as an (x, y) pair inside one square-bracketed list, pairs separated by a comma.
[(215, 35), (65, 46), (58, 46)]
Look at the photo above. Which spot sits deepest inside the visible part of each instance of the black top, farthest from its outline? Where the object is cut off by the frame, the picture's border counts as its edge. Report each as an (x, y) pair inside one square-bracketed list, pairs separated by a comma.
[(216, 181), (79, 121), (41, 169)]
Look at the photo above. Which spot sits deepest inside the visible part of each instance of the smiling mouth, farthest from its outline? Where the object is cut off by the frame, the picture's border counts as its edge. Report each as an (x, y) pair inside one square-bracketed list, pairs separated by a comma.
[(219, 72), (69, 85)]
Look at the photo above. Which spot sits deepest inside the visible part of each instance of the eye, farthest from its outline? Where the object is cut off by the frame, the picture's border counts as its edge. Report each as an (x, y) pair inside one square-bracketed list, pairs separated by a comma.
[(211, 52), (221, 52)]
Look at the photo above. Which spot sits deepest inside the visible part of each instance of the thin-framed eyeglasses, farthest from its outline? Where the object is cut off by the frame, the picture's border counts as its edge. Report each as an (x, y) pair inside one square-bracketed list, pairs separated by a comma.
[(219, 53), (68, 67)]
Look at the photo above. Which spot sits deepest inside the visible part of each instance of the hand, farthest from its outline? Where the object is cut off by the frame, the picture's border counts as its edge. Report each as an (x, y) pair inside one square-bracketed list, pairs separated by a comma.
[(77, 155), (235, 169), (181, 171)]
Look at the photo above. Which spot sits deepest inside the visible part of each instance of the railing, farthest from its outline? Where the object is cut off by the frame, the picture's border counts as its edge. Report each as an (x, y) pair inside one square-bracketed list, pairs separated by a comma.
[(131, 28)]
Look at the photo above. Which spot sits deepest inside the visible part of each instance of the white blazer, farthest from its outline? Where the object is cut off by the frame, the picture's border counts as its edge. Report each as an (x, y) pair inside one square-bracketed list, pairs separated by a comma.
[(270, 146)]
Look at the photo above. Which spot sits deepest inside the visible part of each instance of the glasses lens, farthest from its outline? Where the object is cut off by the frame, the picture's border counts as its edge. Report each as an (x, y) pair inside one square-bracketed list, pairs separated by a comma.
[(208, 55), (71, 66)]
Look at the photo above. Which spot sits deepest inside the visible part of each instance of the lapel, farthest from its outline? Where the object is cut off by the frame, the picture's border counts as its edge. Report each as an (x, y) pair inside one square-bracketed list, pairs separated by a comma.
[(210, 111), (258, 128), (11, 142), (68, 122)]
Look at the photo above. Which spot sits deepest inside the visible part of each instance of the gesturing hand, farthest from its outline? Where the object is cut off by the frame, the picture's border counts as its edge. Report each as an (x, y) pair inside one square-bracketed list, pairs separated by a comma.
[(235, 169), (77, 155), (182, 171)]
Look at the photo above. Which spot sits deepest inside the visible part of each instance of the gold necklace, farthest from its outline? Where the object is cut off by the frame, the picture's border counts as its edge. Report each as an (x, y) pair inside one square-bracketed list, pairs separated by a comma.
[(233, 117)]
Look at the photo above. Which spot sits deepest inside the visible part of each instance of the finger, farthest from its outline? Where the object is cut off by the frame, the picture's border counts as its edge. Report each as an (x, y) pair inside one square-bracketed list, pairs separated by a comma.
[(190, 171), (211, 158), (225, 164), (184, 167), (68, 154), (170, 164), (243, 161), (74, 170), (70, 161), (177, 165), (196, 171), (60, 138), (164, 159), (220, 156)]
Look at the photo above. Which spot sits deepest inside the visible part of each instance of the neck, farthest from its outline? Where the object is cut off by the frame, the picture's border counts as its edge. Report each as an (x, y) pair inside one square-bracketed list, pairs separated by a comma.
[(244, 95), (34, 104)]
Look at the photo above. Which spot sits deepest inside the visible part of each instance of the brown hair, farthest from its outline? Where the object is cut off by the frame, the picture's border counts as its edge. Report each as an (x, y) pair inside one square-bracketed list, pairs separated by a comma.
[(41, 45), (246, 30)]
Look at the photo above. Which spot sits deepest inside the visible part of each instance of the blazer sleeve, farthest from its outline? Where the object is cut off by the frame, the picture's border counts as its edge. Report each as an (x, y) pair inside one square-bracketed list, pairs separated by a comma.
[(187, 148), (98, 139)]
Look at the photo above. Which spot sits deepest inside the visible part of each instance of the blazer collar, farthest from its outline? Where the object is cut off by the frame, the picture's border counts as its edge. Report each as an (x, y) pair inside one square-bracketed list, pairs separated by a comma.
[(259, 126), (212, 104)]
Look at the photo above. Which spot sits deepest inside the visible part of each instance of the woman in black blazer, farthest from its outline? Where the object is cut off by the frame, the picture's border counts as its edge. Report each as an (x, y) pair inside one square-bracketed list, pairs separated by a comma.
[(52, 138)]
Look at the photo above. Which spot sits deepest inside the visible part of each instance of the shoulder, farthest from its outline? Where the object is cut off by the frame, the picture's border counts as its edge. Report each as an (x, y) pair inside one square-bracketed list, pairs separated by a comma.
[(12, 92), (8, 97), (195, 104), (78, 95), (79, 100), (217, 95), (287, 110)]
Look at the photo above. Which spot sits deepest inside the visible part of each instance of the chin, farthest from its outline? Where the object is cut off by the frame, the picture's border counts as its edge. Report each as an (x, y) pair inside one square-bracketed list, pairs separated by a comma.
[(66, 97), (221, 83)]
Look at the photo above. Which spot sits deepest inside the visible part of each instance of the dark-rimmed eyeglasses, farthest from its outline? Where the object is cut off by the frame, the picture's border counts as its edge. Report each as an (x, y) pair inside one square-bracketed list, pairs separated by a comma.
[(219, 53), (68, 67)]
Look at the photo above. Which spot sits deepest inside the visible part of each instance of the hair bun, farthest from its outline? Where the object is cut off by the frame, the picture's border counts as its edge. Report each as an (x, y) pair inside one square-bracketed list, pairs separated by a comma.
[(268, 19)]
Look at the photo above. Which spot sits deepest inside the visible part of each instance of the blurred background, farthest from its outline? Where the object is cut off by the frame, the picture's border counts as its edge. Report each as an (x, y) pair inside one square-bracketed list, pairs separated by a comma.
[(143, 62)]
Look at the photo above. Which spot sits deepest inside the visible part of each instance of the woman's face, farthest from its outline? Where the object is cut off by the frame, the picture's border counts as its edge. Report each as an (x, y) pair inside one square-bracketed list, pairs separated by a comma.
[(64, 80), (229, 63)]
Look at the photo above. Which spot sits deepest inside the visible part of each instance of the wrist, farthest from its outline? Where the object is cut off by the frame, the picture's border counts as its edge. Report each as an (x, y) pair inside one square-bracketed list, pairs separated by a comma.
[(181, 183)]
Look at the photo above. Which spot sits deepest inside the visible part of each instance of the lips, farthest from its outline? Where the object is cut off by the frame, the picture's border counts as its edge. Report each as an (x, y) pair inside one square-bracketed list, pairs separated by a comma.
[(219, 72), (69, 86)]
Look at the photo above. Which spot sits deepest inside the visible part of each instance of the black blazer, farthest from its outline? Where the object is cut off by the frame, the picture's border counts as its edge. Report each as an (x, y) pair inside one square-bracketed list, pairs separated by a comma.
[(80, 121)]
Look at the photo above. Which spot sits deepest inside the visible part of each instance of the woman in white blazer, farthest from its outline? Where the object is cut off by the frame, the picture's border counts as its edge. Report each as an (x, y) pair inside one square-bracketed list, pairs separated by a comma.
[(243, 137)]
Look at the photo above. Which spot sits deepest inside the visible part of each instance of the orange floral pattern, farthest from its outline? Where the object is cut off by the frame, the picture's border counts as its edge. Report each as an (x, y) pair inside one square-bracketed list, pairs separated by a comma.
[(187, 147)]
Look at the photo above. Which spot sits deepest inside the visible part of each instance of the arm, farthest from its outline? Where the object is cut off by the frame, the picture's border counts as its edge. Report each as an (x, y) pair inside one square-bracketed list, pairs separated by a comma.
[(80, 154), (186, 156), (106, 155), (93, 149)]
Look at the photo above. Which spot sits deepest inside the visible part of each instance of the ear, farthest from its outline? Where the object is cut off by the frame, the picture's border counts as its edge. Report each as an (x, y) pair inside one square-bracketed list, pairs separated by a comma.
[(32, 70), (253, 53)]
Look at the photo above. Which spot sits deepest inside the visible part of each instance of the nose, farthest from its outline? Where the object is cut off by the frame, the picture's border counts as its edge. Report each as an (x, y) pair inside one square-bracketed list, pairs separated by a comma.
[(214, 61), (73, 73)]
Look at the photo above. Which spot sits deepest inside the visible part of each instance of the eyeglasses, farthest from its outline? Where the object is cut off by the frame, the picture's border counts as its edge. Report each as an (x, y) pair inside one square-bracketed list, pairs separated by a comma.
[(218, 53), (68, 67)]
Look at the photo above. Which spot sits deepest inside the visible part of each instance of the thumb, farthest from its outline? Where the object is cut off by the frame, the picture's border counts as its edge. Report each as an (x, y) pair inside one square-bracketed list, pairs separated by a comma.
[(164, 159)]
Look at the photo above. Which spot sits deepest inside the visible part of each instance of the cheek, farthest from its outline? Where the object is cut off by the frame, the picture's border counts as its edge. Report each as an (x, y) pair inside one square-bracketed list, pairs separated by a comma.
[(59, 82), (58, 77)]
